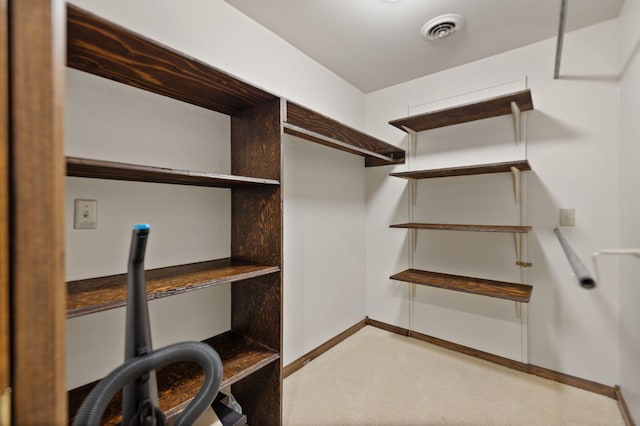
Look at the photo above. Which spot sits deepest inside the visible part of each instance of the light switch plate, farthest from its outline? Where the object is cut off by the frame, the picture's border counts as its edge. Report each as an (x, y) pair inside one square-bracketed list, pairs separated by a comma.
[(567, 217), (85, 214)]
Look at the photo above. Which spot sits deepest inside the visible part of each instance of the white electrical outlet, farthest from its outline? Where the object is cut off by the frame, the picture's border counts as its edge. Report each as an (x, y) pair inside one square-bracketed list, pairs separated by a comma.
[(567, 217), (85, 214)]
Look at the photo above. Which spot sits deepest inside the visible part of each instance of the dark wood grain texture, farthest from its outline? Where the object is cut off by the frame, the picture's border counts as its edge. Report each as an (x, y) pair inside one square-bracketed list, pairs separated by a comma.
[(574, 381), (256, 236), (37, 210), (464, 170), (261, 395), (487, 108), (323, 125), (5, 345), (99, 294), (315, 353), (178, 383), (458, 227), (100, 169), (481, 286), (102, 48)]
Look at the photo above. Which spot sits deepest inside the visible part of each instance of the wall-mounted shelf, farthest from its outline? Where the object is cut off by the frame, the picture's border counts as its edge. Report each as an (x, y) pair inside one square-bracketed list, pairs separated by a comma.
[(475, 228), (105, 49), (307, 124), (99, 294), (491, 288), (492, 107), (178, 383), (99, 169), (465, 170)]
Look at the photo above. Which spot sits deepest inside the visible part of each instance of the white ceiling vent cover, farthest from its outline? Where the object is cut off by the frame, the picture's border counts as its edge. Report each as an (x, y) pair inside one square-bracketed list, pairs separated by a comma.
[(442, 26)]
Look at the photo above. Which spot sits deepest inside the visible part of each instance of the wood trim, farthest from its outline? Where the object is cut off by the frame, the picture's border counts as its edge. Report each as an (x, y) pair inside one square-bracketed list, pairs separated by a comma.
[(315, 353), (545, 373), (387, 327), (574, 381), (37, 194), (5, 346), (624, 408), (486, 356)]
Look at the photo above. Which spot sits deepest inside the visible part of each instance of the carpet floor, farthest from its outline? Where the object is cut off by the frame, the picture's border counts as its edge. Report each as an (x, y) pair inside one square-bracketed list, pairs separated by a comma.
[(379, 378)]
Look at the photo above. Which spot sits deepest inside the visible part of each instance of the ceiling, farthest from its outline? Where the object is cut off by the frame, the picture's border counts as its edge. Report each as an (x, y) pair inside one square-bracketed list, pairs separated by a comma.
[(376, 43)]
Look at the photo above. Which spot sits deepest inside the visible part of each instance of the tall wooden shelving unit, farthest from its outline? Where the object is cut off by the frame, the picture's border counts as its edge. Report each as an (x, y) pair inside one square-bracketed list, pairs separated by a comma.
[(251, 350)]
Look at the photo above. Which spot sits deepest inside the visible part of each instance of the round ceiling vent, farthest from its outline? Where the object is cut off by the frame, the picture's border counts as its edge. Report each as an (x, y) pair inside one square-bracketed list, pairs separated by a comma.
[(442, 26)]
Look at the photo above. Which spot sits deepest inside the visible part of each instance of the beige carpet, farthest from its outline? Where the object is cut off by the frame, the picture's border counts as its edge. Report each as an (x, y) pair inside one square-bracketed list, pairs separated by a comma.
[(380, 378)]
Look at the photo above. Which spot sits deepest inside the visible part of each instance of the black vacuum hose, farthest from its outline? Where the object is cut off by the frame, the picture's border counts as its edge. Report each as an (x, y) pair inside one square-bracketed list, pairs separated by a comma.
[(93, 407)]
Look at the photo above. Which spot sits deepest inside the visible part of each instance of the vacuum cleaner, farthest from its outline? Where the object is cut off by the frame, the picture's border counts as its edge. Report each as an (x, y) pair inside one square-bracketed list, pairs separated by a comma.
[(137, 375)]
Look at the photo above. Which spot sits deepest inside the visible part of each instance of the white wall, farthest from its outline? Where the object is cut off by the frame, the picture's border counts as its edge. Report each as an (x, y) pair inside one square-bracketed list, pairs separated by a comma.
[(109, 121), (630, 207), (572, 146)]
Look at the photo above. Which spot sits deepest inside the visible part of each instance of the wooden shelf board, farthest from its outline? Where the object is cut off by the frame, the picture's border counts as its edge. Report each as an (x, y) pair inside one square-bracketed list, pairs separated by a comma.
[(351, 140), (476, 228), (484, 287), (487, 108), (105, 49), (99, 169), (522, 165), (179, 383), (103, 293)]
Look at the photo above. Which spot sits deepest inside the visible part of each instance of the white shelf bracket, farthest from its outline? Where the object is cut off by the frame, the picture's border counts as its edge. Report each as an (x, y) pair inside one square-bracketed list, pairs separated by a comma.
[(515, 111), (518, 310), (516, 183)]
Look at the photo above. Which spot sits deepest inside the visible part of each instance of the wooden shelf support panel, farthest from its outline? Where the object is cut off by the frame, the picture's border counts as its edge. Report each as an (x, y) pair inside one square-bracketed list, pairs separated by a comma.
[(99, 294), (99, 169), (505, 167), (481, 286), (456, 227), (105, 49), (310, 125), (487, 108), (178, 383)]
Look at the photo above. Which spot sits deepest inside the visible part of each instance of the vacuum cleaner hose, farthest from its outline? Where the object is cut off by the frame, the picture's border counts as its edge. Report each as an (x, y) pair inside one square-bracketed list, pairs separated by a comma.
[(93, 407)]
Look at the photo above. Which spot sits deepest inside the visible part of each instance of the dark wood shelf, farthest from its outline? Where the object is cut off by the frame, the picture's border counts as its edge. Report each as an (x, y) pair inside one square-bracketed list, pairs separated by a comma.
[(487, 108), (99, 169), (476, 228), (99, 294), (179, 383), (499, 289), (105, 49), (328, 131), (465, 170)]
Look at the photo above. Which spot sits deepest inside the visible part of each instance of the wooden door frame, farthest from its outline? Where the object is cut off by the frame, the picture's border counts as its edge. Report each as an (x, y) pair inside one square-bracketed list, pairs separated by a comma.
[(37, 172)]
